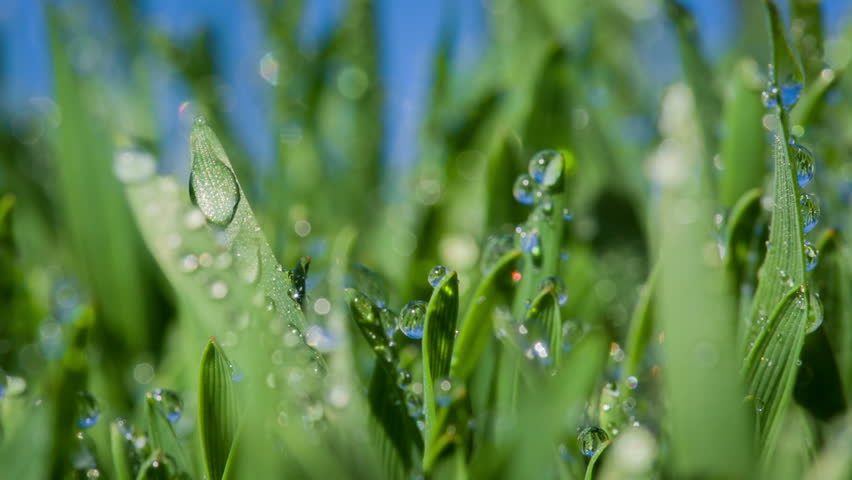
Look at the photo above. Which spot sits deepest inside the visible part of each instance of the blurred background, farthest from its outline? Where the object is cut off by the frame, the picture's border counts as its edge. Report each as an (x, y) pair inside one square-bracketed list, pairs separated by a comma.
[(401, 124)]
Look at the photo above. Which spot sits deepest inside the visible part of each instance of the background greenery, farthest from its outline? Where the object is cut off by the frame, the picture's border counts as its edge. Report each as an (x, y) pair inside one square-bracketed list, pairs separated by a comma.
[(691, 336)]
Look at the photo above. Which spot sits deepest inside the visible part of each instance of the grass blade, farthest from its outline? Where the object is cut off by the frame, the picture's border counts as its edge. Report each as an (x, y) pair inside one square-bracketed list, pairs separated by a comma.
[(162, 436), (217, 409), (121, 453)]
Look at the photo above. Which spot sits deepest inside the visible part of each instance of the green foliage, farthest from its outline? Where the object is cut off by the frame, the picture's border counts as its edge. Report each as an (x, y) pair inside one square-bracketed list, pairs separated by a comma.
[(652, 282)]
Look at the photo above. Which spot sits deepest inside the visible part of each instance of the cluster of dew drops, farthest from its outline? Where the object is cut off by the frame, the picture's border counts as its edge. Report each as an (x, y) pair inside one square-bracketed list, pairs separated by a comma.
[(789, 92), (87, 413)]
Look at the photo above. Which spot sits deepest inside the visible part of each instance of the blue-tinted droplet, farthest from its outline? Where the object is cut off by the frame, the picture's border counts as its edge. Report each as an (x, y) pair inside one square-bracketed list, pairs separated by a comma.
[(546, 167), (448, 390), (790, 91), (530, 243), (523, 190), (169, 402), (411, 319), (591, 439), (768, 97), (413, 403), (566, 215), (88, 411), (810, 211), (811, 254), (437, 274), (558, 287), (2, 383), (804, 161), (815, 313)]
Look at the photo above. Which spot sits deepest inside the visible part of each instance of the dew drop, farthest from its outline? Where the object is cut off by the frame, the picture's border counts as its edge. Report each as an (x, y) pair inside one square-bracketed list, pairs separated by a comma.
[(2, 383), (530, 243), (566, 215), (811, 256), (523, 190), (448, 390), (213, 187), (546, 167), (495, 247), (768, 97), (247, 263), (411, 319), (790, 91), (133, 165), (632, 382), (558, 287), (88, 411), (591, 439), (389, 321), (413, 403), (815, 313), (804, 164), (218, 290), (189, 263), (437, 275), (169, 403), (810, 211)]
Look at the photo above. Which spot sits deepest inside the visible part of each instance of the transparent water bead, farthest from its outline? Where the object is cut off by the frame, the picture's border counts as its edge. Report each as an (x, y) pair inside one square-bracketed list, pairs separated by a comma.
[(804, 164), (632, 382), (411, 319), (790, 91), (811, 256), (437, 275), (213, 186), (558, 287), (389, 321), (495, 247), (88, 410), (815, 313), (169, 402), (530, 243), (768, 97), (546, 167), (133, 165), (523, 190), (2, 383), (810, 211), (591, 439)]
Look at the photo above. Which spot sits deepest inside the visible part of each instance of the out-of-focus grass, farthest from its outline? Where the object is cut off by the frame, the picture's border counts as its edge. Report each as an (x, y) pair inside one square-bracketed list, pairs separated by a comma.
[(711, 364)]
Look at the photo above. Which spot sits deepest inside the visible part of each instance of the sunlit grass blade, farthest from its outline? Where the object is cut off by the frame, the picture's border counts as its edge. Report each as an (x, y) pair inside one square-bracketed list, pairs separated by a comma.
[(439, 333), (218, 414), (476, 325)]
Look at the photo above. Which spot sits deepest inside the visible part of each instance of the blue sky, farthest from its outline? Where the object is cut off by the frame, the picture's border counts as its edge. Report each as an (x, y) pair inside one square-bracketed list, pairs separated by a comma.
[(408, 31)]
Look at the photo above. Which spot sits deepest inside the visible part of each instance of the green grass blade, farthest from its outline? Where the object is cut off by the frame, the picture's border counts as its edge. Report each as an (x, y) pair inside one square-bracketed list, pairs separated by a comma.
[(121, 453), (476, 326), (813, 97), (395, 433), (808, 34), (439, 333), (787, 67), (218, 414)]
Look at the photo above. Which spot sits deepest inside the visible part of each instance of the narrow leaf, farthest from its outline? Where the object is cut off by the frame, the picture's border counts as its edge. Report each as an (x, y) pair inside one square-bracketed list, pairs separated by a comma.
[(121, 453), (217, 409), (162, 435), (786, 71)]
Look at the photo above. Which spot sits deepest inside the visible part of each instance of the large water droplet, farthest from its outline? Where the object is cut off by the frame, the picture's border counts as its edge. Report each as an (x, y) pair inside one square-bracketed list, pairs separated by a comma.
[(632, 382), (815, 313), (591, 439), (88, 411), (524, 190), (804, 164), (364, 307), (389, 321), (212, 184), (495, 247), (411, 319), (546, 167), (133, 165), (810, 211), (530, 243), (437, 275), (789, 91), (811, 254), (169, 402), (558, 287)]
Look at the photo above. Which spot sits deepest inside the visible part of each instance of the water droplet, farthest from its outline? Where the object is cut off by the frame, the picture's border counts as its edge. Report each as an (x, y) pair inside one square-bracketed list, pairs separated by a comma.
[(790, 91), (437, 275), (169, 402), (810, 211), (2, 383), (530, 243), (524, 190), (811, 254), (88, 411), (133, 165), (495, 247), (247, 262), (218, 290), (82, 454), (363, 307), (566, 215), (389, 321), (546, 167), (768, 97), (403, 378), (448, 390), (815, 313), (591, 439), (558, 287), (189, 263), (632, 382), (213, 187), (413, 403), (411, 319), (804, 164)]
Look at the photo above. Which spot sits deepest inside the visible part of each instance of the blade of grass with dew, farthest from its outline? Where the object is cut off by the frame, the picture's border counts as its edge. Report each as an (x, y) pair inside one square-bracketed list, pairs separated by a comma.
[(744, 245), (779, 314), (694, 309), (476, 325), (218, 414), (439, 333), (742, 152), (121, 450), (162, 435)]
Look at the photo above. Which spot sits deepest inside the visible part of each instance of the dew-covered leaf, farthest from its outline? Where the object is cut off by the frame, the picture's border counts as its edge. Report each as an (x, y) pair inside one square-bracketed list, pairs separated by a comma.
[(396, 434), (218, 414), (162, 437), (476, 325), (121, 451), (786, 70)]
